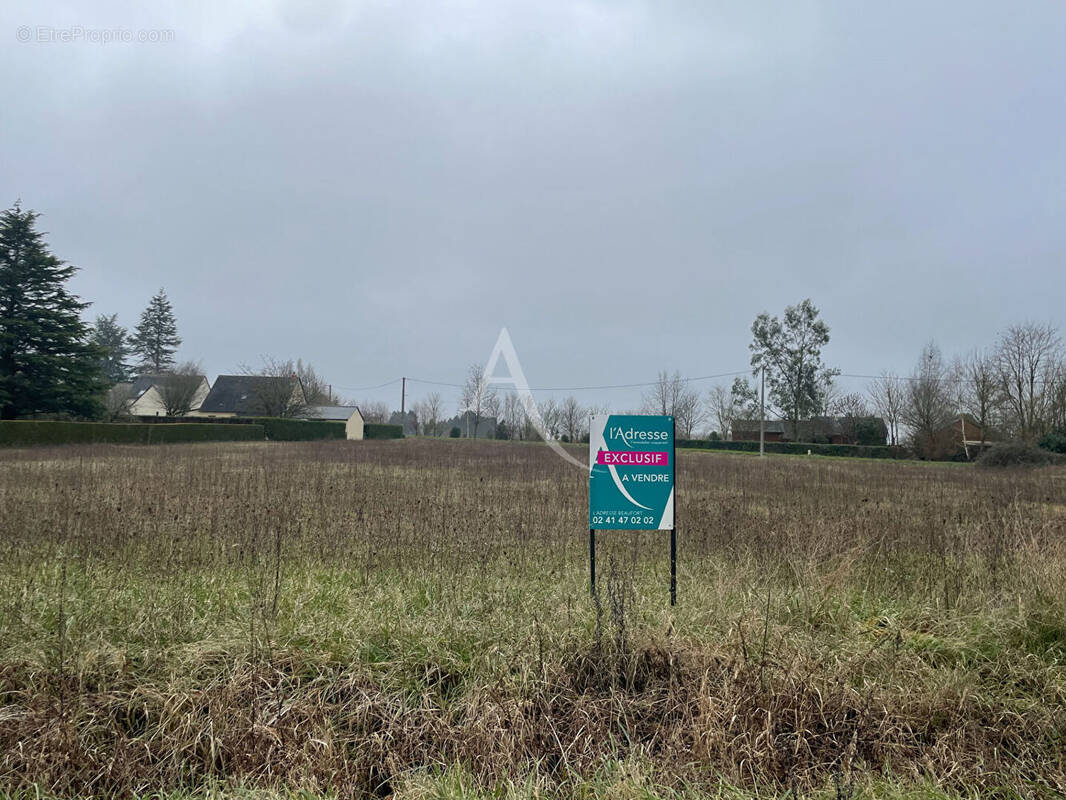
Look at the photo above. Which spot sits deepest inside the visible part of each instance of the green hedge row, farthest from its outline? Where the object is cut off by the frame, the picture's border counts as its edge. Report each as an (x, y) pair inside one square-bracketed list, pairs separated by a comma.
[(801, 448), (19, 433), (375, 430), (279, 429)]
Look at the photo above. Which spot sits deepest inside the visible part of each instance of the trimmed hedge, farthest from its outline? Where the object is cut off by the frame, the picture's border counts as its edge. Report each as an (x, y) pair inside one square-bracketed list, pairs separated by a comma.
[(374, 430), (23, 433), (801, 448), (279, 429)]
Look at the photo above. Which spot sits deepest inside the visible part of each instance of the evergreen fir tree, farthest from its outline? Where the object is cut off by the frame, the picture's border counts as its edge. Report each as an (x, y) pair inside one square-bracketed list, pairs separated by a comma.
[(156, 338), (111, 338), (47, 363)]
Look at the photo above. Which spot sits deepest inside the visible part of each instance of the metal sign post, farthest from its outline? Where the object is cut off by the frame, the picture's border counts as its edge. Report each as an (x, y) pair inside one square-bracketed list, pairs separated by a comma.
[(632, 470)]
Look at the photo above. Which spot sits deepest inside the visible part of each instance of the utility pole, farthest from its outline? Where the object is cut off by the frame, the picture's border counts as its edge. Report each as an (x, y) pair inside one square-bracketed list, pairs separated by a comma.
[(762, 412), (403, 395)]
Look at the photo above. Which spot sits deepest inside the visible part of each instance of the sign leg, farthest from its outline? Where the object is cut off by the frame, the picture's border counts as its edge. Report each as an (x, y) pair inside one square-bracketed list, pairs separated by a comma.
[(673, 566), (592, 561)]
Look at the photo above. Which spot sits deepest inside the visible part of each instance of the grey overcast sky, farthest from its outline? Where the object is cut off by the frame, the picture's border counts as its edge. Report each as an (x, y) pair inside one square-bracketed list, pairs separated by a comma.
[(378, 187)]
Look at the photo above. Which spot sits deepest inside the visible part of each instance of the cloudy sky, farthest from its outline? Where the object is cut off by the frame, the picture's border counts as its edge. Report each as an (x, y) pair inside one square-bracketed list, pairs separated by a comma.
[(379, 186)]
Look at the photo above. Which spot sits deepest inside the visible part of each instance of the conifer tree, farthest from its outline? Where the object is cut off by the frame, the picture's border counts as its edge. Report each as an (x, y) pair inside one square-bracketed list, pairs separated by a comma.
[(47, 363), (156, 339), (112, 340)]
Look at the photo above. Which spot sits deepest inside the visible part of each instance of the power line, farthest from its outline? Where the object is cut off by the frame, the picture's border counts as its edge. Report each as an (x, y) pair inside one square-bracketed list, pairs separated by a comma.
[(642, 384), (367, 388), (594, 388), (436, 383), (636, 385), (944, 378)]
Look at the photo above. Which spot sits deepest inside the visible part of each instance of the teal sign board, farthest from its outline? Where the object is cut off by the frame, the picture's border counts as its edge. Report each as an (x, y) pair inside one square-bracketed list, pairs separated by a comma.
[(631, 472)]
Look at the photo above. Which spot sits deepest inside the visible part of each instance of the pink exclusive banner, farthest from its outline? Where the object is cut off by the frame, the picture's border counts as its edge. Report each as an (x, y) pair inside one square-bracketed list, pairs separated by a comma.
[(627, 458)]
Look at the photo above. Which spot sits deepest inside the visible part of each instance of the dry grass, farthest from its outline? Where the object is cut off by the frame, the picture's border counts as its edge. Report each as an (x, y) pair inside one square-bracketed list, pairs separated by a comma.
[(413, 618)]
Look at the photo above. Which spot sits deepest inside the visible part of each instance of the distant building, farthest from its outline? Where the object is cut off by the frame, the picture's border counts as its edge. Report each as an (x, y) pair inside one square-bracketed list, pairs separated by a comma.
[(146, 394), (968, 435), (747, 430), (822, 430), (253, 396), (351, 416), (843, 430)]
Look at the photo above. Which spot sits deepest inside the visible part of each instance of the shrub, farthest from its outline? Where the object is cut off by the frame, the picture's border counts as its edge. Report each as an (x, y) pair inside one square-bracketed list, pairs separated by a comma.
[(375, 430), (23, 433), (455, 433), (1017, 454), (870, 431), (1055, 442)]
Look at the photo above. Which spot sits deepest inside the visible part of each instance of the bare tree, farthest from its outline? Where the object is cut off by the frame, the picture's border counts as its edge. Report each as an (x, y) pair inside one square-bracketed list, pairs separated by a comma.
[(178, 389), (514, 415), (929, 407), (528, 427), (479, 396), (117, 401), (573, 418), (670, 395), (978, 389), (428, 412), (720, 408), (551, 417), (492, 409), (434, 409), (853, 412), (418, 409), (850, 405), (688, 413), (1057, 409), (283, 394), (889, 397), (375, 411), (662, 396), (316, 390), (1028, 361)]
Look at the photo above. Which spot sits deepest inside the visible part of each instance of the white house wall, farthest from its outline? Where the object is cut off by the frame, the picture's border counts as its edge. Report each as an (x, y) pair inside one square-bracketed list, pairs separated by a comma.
[(150, 404), (353, 428)]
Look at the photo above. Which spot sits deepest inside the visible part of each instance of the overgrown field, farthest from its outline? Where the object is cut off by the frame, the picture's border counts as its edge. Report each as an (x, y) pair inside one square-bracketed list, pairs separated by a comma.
[(413, 618)]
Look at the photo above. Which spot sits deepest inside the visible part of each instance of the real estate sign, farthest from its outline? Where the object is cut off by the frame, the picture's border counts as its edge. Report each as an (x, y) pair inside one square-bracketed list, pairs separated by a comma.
[(631, 472)]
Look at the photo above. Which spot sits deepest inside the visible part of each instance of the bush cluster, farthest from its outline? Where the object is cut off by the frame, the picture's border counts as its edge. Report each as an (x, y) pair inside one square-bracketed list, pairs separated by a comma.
[(376, 430), (802, 448), (23, 433), (1017, 454), (1055, 442)]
